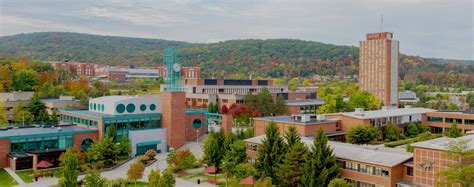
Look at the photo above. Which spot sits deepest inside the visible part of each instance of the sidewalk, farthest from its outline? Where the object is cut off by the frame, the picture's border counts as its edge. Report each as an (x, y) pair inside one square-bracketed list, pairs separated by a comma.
[(15, 176)]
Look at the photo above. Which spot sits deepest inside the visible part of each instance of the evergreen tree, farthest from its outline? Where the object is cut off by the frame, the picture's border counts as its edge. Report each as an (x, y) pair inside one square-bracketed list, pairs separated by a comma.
[(54, 118), (291, 136), (69, 168), (234, 156), (292, 168), (111, 132), (125, 146), (280, 106), (250, 100), (270, 152), (320, 166), (214, 149), (35, 107), (43, 117)]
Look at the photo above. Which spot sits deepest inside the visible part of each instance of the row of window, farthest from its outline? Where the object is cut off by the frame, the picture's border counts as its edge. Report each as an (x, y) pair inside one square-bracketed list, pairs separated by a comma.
[(72, 119), (363, 168), (96, 107), (41, 143), (450, 120)]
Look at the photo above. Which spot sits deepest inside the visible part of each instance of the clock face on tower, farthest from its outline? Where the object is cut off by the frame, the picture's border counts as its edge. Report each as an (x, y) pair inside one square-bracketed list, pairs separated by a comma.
[(176, 67)]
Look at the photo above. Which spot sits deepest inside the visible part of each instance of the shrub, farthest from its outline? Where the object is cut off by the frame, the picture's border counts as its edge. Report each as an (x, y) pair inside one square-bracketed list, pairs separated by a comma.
[(362, 134), (412, 130), (184, 160), (143, 159), (392, 133), (150, 154)]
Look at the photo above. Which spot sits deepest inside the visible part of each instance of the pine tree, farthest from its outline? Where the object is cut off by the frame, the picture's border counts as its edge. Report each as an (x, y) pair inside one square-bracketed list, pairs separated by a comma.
[(291, 136), (270, 152), (290, 172), (42, 117), (321, 166), (36, 106), (54, 118), (265, 104)]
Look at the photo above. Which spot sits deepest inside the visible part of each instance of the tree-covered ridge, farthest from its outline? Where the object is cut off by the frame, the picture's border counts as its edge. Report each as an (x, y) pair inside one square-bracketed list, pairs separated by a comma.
[(234, 58), (55, 46)]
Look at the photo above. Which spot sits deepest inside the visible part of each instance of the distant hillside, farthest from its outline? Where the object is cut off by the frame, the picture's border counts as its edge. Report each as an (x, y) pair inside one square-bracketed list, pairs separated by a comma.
[(272, 57)]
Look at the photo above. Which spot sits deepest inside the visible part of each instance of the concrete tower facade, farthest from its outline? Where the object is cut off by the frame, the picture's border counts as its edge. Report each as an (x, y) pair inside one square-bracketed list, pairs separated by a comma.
[(378, 66)]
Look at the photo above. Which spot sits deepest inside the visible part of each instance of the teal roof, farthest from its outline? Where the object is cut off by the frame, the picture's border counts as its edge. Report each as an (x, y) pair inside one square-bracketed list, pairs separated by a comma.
[(42, 131), (149, 143), (103, 116)]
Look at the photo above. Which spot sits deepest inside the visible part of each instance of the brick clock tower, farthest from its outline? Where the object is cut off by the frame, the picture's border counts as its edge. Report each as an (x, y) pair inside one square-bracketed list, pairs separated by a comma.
[(173, 102)]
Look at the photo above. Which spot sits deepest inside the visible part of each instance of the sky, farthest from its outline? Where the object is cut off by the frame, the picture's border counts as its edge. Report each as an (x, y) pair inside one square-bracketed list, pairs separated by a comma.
[(429, 28)]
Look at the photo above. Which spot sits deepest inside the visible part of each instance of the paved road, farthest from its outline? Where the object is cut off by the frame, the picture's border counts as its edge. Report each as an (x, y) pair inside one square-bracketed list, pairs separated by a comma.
[(121, 172)]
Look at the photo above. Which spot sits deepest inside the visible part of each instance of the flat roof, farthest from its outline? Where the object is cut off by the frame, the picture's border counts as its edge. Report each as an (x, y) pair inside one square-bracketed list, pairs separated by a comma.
[(113, 98), (442, 143), (288, 119), (305, 102), (367, 154), (104, 115), (59, 100), (38, 130), (370, 114)]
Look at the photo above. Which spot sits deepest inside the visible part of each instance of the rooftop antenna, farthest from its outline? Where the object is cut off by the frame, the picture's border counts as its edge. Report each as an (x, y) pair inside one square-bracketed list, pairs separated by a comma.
[(381, 22)]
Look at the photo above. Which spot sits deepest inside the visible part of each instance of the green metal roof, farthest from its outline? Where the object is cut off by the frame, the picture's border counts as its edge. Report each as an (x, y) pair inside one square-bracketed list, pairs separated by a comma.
[(102, 116), (43, 131)]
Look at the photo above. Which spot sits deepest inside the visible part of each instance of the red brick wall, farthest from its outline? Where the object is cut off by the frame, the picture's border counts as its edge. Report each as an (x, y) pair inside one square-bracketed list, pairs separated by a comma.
[(303, 130), (291, 110), (173, 105), (4, 150), (227, 123), (79, 137), (190, 130)]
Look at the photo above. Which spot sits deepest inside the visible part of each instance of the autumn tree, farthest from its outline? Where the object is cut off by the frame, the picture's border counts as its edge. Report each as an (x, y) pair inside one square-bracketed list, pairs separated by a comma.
[(3, 117), (461, 165), (6, 78), (135, 172)]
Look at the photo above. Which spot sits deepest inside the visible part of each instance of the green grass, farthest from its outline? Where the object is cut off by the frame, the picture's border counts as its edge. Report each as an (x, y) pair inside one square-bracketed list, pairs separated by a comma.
[(26, 175), (6, 179)]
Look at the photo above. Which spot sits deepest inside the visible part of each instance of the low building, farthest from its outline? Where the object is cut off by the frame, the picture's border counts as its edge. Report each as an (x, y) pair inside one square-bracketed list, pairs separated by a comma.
[(306, 125), (363, 165), (430, 158), (456, 98), (11, 99), (407, 98), (61, 103), (440, 121), (22, 148), (307, 106), (372, 166), (121, 75)]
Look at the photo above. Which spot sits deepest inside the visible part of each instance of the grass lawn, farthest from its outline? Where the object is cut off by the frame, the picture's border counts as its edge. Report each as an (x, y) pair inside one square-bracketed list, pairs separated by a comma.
[(26, 175), (6, 179), (138, 184)]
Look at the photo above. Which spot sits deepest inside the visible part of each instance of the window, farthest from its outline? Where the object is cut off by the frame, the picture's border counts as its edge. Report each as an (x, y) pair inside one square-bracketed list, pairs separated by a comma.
[(469, 121), (410, 171), (452, 120), (120, 108), (435, 119), (152, 107), (142, 107), (130, 108)]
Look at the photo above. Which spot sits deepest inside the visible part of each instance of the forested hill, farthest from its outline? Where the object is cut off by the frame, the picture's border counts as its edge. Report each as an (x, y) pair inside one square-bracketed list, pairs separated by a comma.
[(272, 57)]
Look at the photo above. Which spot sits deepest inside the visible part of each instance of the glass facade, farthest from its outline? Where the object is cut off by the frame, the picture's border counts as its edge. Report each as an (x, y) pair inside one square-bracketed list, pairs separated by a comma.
[(435, 119), (363, 168), (40, 144), (123, 126), (86, 122)]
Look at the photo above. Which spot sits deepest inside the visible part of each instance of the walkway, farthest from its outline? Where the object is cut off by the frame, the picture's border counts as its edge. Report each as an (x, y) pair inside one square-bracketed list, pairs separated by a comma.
[(121, 171), (15, 176)]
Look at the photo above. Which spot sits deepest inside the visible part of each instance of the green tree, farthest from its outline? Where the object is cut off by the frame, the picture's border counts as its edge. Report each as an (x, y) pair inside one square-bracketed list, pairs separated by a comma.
[(265, 105), (292, 168), (362, 134), (250, 100), (234, 156), (112, 132), (392, 133), (470, 99), (93, 179), (3, 117), (280, 106), (270, 152), (461, 167), (214, 148), (154, 178), (25, 80), (69, 168), (54, 118), (23, 117), (94, 153), (244, 170), (35, 107), (291, 136), (135, 172), (339, 182), (454, 131), (42, 117), (110, 150), (167, 179), (412, 130), (125, 146), (321, 165), (363, 99)]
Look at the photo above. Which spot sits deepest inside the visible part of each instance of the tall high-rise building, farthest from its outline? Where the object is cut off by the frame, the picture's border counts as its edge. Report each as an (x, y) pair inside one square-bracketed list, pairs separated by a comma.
[(378, 67)]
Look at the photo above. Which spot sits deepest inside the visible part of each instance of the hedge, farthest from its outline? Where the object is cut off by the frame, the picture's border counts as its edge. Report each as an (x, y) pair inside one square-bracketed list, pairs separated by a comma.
[(409, 140)]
